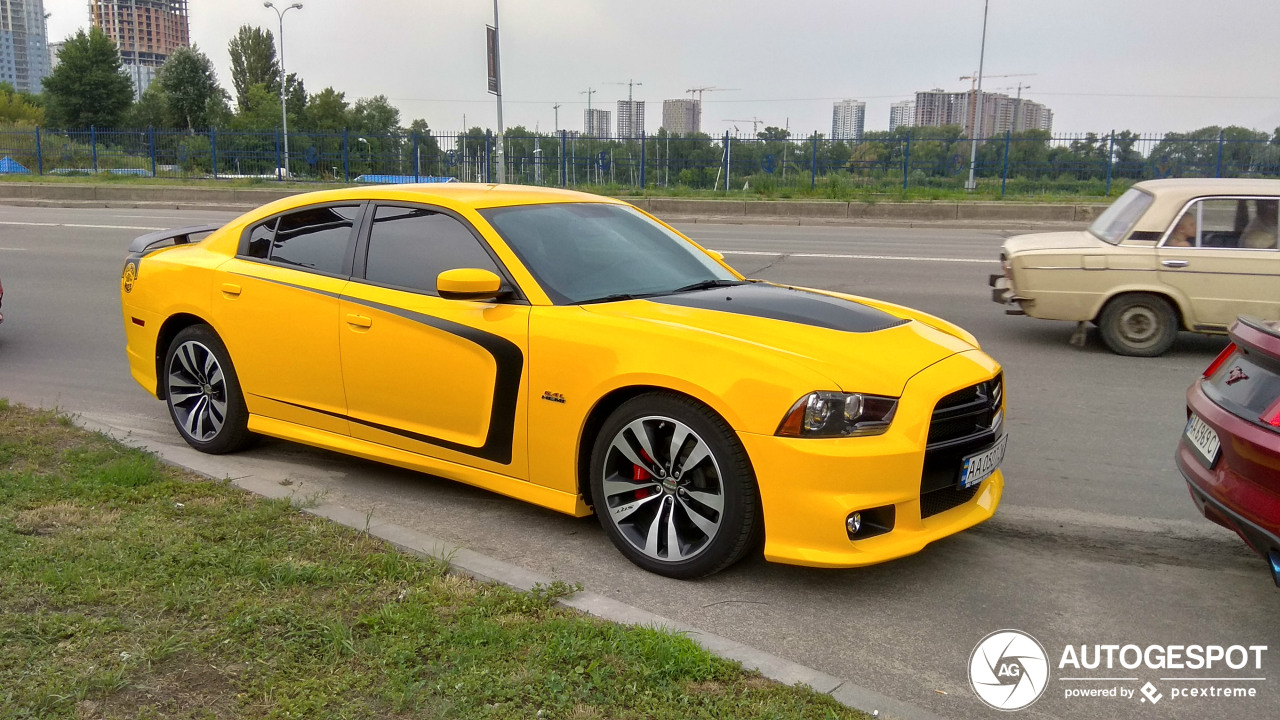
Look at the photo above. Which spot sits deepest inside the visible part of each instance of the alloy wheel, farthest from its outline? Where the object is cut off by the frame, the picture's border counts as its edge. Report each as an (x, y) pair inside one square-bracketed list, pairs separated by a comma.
[(197, 389)]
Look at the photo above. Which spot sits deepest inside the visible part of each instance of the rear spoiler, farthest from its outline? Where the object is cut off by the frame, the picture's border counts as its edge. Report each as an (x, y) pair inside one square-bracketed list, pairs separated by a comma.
[(181, 236)]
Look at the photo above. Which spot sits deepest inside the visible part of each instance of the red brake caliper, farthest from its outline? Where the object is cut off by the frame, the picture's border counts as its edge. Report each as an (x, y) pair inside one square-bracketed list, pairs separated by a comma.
[(638, 474)]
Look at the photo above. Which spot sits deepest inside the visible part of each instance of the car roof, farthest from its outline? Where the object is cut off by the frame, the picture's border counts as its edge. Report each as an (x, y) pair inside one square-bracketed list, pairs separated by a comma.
[(1172, 194), (474, 195)]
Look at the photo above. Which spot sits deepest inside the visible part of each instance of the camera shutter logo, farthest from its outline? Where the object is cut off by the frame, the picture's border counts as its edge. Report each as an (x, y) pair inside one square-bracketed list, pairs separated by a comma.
[(1009, 670)]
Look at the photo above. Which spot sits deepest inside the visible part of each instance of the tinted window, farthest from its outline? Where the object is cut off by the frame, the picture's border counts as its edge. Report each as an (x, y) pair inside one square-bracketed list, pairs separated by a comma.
[(581, 252), (315, 238), (409, 247), (260, 240)]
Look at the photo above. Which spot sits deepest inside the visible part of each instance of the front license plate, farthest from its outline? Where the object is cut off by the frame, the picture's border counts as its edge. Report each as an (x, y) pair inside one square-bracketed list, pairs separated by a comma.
[(979, 466), (1204, 439)]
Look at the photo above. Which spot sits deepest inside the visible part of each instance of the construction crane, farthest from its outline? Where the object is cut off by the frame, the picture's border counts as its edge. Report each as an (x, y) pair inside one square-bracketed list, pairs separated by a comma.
[(755, 124), (707, 88), (629, 84)]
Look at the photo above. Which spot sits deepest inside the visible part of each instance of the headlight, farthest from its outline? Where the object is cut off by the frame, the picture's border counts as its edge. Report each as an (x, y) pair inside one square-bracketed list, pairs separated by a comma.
[(833, 414)]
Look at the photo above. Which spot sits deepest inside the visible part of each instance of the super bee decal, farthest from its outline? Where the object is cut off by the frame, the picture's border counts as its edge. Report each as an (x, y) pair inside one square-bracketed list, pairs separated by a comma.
[(130, 275)]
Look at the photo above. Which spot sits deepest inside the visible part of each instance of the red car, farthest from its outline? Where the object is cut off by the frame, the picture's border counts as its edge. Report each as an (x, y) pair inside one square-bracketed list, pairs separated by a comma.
[(1230, 449)]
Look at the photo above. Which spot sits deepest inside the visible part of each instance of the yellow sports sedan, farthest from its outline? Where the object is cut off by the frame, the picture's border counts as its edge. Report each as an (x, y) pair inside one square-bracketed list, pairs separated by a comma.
[(572, 351)]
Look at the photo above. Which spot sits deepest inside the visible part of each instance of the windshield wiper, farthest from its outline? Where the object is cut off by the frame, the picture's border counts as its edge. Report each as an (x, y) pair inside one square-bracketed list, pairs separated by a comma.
[(708, 284), (615, 298)]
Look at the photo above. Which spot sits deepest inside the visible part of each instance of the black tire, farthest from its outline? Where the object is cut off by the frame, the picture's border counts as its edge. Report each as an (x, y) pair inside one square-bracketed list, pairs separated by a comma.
[(203, 393), (705, 497), (1139, 324)]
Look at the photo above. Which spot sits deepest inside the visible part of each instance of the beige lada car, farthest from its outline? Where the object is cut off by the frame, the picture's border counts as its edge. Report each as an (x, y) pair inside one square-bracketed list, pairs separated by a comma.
[(1168, 255)]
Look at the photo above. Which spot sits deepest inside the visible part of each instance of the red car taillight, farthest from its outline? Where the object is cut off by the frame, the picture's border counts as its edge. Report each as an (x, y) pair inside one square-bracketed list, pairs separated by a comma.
[(1227, 352), (1271, 415)]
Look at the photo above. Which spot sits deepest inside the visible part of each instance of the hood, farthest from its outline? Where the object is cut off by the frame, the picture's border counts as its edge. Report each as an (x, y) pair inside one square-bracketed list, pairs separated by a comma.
[(860, 348), (1074, 240)]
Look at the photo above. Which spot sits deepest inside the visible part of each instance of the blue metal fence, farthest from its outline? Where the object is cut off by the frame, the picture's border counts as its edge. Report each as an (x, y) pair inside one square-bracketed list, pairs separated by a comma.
[(922, 158)]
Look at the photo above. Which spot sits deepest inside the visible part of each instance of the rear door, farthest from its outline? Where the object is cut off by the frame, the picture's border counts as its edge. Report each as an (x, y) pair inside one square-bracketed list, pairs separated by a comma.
[(276, 306), (442, 378), (1229, 269)]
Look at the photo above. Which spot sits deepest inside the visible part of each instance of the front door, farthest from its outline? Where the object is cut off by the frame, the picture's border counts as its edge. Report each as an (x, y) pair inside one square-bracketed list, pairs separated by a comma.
[(442, 378)]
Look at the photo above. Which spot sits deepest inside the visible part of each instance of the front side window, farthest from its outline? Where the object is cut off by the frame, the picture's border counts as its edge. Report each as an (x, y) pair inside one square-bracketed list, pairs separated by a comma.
[(315, 238), (410, 247), (1245, 223), (586, 252), (1116, 221)]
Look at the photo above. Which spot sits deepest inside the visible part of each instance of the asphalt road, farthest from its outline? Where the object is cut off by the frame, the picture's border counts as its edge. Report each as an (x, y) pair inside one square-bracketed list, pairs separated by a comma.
[(1097, 541)]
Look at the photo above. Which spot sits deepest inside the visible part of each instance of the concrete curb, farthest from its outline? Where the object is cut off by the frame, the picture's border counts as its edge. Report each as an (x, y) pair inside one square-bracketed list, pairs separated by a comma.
[(797, 212), (488, 569)]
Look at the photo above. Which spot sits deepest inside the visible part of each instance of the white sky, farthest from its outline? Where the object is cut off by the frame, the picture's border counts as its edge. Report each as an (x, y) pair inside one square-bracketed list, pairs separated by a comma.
[(1144, 65)]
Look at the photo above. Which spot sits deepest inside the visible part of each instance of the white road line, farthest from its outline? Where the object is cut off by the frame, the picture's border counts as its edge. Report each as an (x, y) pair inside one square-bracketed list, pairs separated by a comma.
[(836, 256), (3, 249), (89, 227)]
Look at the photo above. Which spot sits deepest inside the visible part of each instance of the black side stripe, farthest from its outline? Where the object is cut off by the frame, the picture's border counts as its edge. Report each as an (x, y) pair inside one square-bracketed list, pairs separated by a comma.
[(506, 388)]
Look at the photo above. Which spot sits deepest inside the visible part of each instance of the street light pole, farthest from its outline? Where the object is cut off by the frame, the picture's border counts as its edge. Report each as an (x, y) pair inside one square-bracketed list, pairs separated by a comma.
[(497, 69), (284, 111), (976, 127)]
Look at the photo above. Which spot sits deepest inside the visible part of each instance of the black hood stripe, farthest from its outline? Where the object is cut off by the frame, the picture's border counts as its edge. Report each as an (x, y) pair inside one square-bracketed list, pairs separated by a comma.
[(788, 305)]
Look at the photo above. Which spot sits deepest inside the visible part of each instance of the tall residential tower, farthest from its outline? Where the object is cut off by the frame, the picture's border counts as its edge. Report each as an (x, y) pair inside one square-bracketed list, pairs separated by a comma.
[(847, 120), (146, 31), (24, 52)]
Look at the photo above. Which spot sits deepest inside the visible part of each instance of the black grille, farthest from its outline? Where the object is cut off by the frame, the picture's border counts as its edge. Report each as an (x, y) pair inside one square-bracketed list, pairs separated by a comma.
[(963, 423), (940, 501)]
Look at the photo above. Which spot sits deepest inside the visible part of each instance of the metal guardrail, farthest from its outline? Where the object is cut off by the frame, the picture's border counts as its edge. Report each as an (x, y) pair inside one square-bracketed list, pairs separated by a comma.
[(1026, 163)]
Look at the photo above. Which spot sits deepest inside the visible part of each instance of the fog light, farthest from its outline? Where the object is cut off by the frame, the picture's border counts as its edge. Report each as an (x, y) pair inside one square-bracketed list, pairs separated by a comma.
[(854, 523)]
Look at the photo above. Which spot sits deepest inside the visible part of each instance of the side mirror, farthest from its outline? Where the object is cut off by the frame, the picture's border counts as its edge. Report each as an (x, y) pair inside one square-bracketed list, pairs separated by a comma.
[(469, 284)]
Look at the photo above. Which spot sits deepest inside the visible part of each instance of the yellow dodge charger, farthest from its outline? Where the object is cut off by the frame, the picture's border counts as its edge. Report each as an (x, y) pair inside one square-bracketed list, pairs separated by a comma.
[(572, 351)]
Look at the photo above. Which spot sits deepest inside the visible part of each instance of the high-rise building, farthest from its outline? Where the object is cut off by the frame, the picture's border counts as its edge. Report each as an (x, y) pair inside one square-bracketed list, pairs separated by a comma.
[(1000, 113), (24, 52), (54, 49), (596, 123), (630, 118), (847, 120), (902, 114), (681, 117), (146, 31)]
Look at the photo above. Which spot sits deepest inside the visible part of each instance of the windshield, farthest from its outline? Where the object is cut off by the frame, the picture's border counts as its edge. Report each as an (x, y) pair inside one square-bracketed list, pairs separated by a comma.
[(591, 252), (1116, 221)]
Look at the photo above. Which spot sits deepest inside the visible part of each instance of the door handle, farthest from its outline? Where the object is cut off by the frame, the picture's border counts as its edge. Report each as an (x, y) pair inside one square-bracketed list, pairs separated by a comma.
[(359, 321), (1174, 263), (231, 288)]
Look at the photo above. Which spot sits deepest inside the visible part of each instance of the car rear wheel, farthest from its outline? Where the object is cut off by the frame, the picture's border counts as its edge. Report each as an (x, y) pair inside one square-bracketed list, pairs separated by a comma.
[(203, 392), (1139, 324), (673, 488)]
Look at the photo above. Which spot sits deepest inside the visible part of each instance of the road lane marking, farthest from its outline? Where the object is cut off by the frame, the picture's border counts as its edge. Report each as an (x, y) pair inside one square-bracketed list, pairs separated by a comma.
[(837, 256), (2, 249), (87, 227)]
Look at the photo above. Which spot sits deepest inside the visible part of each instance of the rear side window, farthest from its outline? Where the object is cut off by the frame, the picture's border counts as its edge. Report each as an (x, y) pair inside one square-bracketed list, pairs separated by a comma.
[(409, 247), (314, 238), (260, 240)]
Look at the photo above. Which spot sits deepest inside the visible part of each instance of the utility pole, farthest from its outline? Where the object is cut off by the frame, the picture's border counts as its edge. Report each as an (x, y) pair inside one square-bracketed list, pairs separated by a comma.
[(973, 141), (556, 107), (496, 89)]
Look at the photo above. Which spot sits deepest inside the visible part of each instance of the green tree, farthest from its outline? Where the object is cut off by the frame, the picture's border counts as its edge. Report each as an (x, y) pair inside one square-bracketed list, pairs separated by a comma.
[(194, 100), (253, 62), (374, 116), (295, 99), (150, 110), (87, 88), (16, 109), (261, 111), (327, 111)]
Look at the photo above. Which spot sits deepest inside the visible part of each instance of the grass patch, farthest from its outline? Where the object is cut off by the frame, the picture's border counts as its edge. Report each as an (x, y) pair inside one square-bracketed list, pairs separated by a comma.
[(131, 589)]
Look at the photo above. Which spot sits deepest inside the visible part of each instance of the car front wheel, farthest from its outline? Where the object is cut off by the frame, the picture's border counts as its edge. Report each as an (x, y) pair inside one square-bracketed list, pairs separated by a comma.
[(673, 488), (203, 392), (1139, 324)]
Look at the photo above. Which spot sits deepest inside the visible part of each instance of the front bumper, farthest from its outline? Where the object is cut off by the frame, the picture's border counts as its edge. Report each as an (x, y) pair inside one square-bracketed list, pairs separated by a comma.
[(1002, 292), (1225, 493), (809, 486)]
